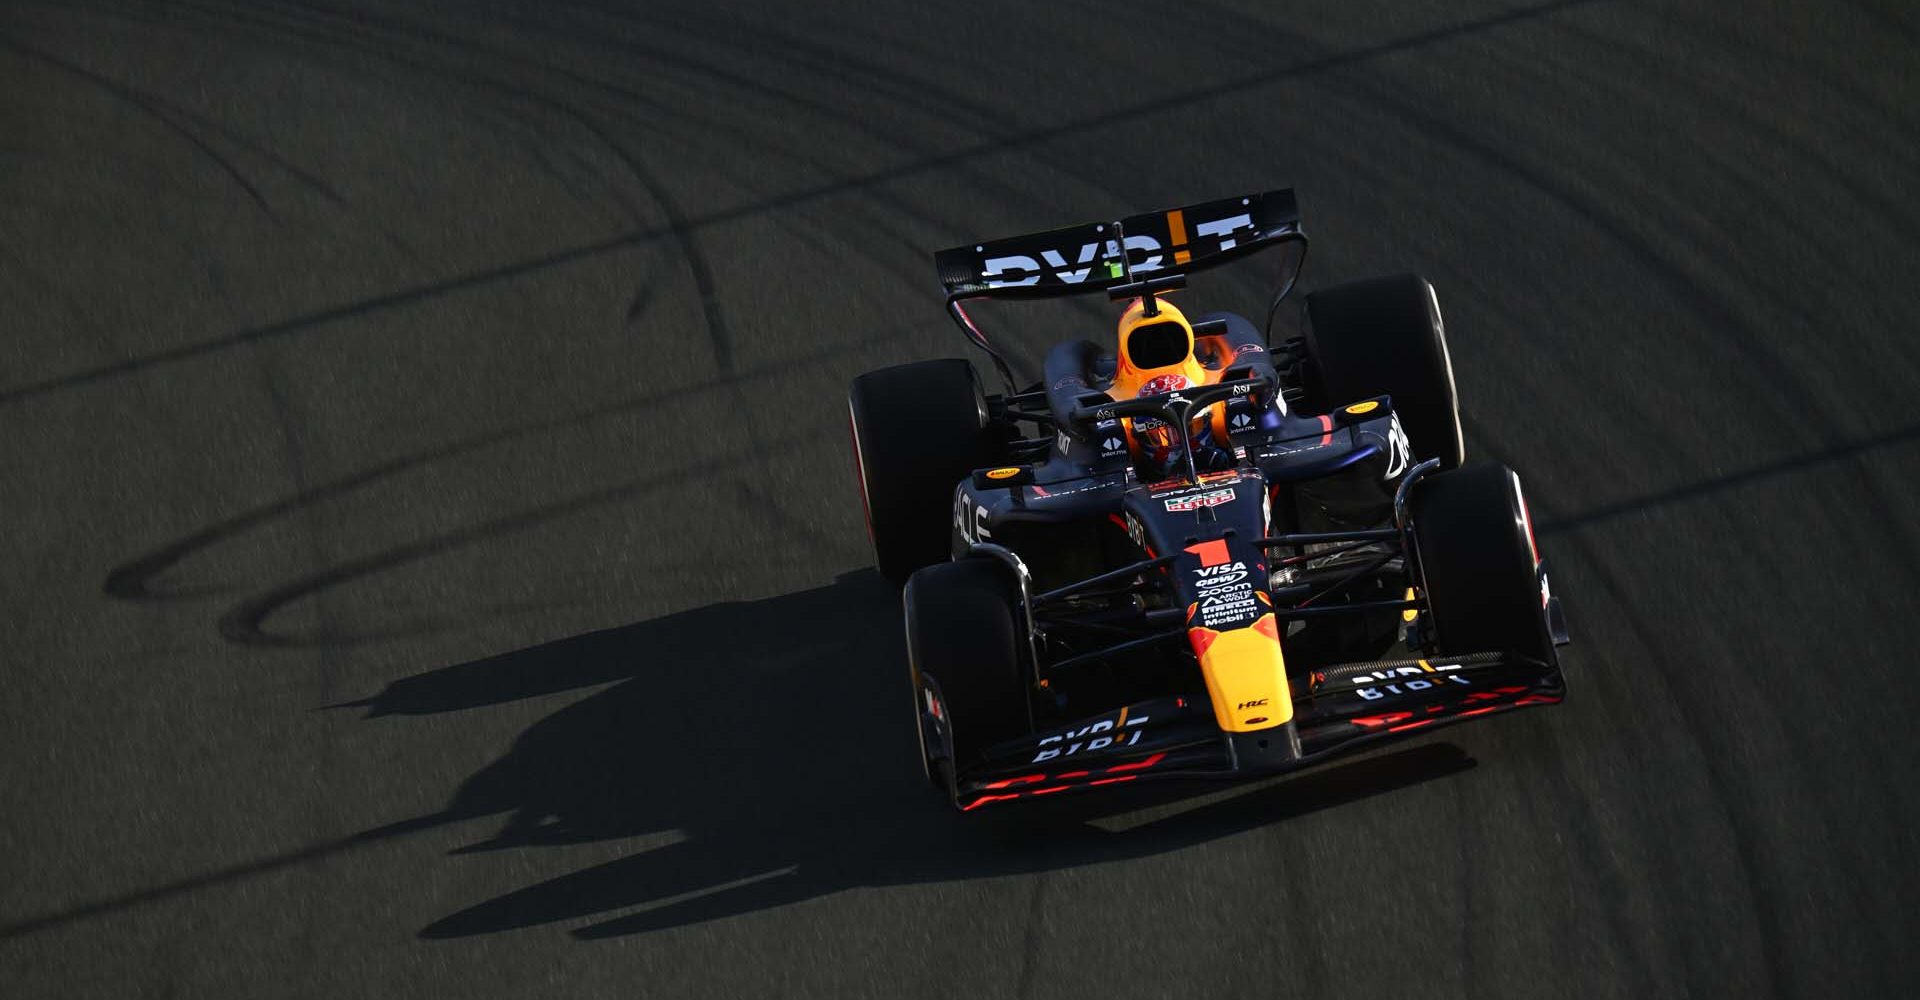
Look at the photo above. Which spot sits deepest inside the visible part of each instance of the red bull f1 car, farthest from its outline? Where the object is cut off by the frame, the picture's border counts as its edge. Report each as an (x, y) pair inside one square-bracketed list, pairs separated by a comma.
[(1193, 551)]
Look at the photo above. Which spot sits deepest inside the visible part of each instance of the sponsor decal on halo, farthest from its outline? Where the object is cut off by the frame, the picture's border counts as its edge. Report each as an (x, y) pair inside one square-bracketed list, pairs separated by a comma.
[(1163, 383), (1366, 407), (1007, 473), (1211, 498)]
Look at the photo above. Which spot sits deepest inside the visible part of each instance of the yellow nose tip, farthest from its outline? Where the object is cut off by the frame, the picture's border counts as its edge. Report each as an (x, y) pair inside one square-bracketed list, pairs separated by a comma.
[(1246, 676)]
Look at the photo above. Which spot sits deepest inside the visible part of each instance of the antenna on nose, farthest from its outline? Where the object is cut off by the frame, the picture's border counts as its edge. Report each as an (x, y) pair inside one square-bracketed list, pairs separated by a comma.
[(1149, 306), (1145, 290)]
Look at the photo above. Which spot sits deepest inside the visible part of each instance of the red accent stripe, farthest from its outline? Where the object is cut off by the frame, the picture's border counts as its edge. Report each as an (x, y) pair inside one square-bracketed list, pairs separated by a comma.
[(1121, 523), (1049, 791), (1138, 765), (1112, 781), (1026, 779), (859, 476), (1074, 774), (1469, 713), (1326, 430), (984, 799), (1376, 721)]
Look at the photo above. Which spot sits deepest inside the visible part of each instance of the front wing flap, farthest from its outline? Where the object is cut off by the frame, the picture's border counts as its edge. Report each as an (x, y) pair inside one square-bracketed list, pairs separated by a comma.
[(1337, 710)]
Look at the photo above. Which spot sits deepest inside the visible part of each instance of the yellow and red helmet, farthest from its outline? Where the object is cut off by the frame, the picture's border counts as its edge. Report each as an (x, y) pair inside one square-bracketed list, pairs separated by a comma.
[(1156, 352)]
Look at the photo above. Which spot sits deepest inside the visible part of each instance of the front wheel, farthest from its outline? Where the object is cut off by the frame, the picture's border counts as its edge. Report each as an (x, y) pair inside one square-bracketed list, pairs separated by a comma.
[(963, 631), (1384, 336), (918, 429), (1479, 563)]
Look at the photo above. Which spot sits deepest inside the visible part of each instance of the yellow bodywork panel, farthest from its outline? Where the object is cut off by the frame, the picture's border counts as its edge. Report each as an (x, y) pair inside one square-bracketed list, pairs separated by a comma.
[(1246, 676)]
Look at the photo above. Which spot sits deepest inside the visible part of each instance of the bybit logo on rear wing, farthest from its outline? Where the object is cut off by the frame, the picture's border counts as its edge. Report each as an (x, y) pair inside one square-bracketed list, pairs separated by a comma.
[(1014, 270)]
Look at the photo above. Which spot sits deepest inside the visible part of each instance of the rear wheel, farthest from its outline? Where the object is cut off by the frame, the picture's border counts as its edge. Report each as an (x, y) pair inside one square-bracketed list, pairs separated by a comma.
[(1479, 563), (1384, 336), (963, 632), (917, 430)]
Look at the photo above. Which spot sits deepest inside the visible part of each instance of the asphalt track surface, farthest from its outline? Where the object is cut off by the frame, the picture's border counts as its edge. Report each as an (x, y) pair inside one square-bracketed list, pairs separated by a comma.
[(430, 563)]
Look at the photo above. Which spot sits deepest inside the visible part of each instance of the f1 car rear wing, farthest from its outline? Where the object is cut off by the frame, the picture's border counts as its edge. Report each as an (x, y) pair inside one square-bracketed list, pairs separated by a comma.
[(1102, 256), (1088, 257)]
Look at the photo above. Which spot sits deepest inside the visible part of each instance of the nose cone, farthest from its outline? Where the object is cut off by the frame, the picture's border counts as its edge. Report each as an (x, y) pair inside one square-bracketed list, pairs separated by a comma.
[(1246, 676)]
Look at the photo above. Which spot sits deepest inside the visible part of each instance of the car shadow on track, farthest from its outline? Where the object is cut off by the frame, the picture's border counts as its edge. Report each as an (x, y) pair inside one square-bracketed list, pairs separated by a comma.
[(775, 738)]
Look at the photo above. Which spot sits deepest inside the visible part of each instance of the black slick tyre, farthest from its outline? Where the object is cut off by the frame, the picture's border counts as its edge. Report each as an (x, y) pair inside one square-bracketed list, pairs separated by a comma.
[(1479, 563), (962, 630), (917, 430), (1384, 336)]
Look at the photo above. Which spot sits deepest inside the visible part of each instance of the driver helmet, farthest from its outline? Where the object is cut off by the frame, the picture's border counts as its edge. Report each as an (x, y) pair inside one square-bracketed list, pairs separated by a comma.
[(1156, 352)]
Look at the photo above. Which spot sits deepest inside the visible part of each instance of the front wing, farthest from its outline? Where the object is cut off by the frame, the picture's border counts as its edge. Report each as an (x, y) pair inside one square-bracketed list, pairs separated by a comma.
[(1343, 709)]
